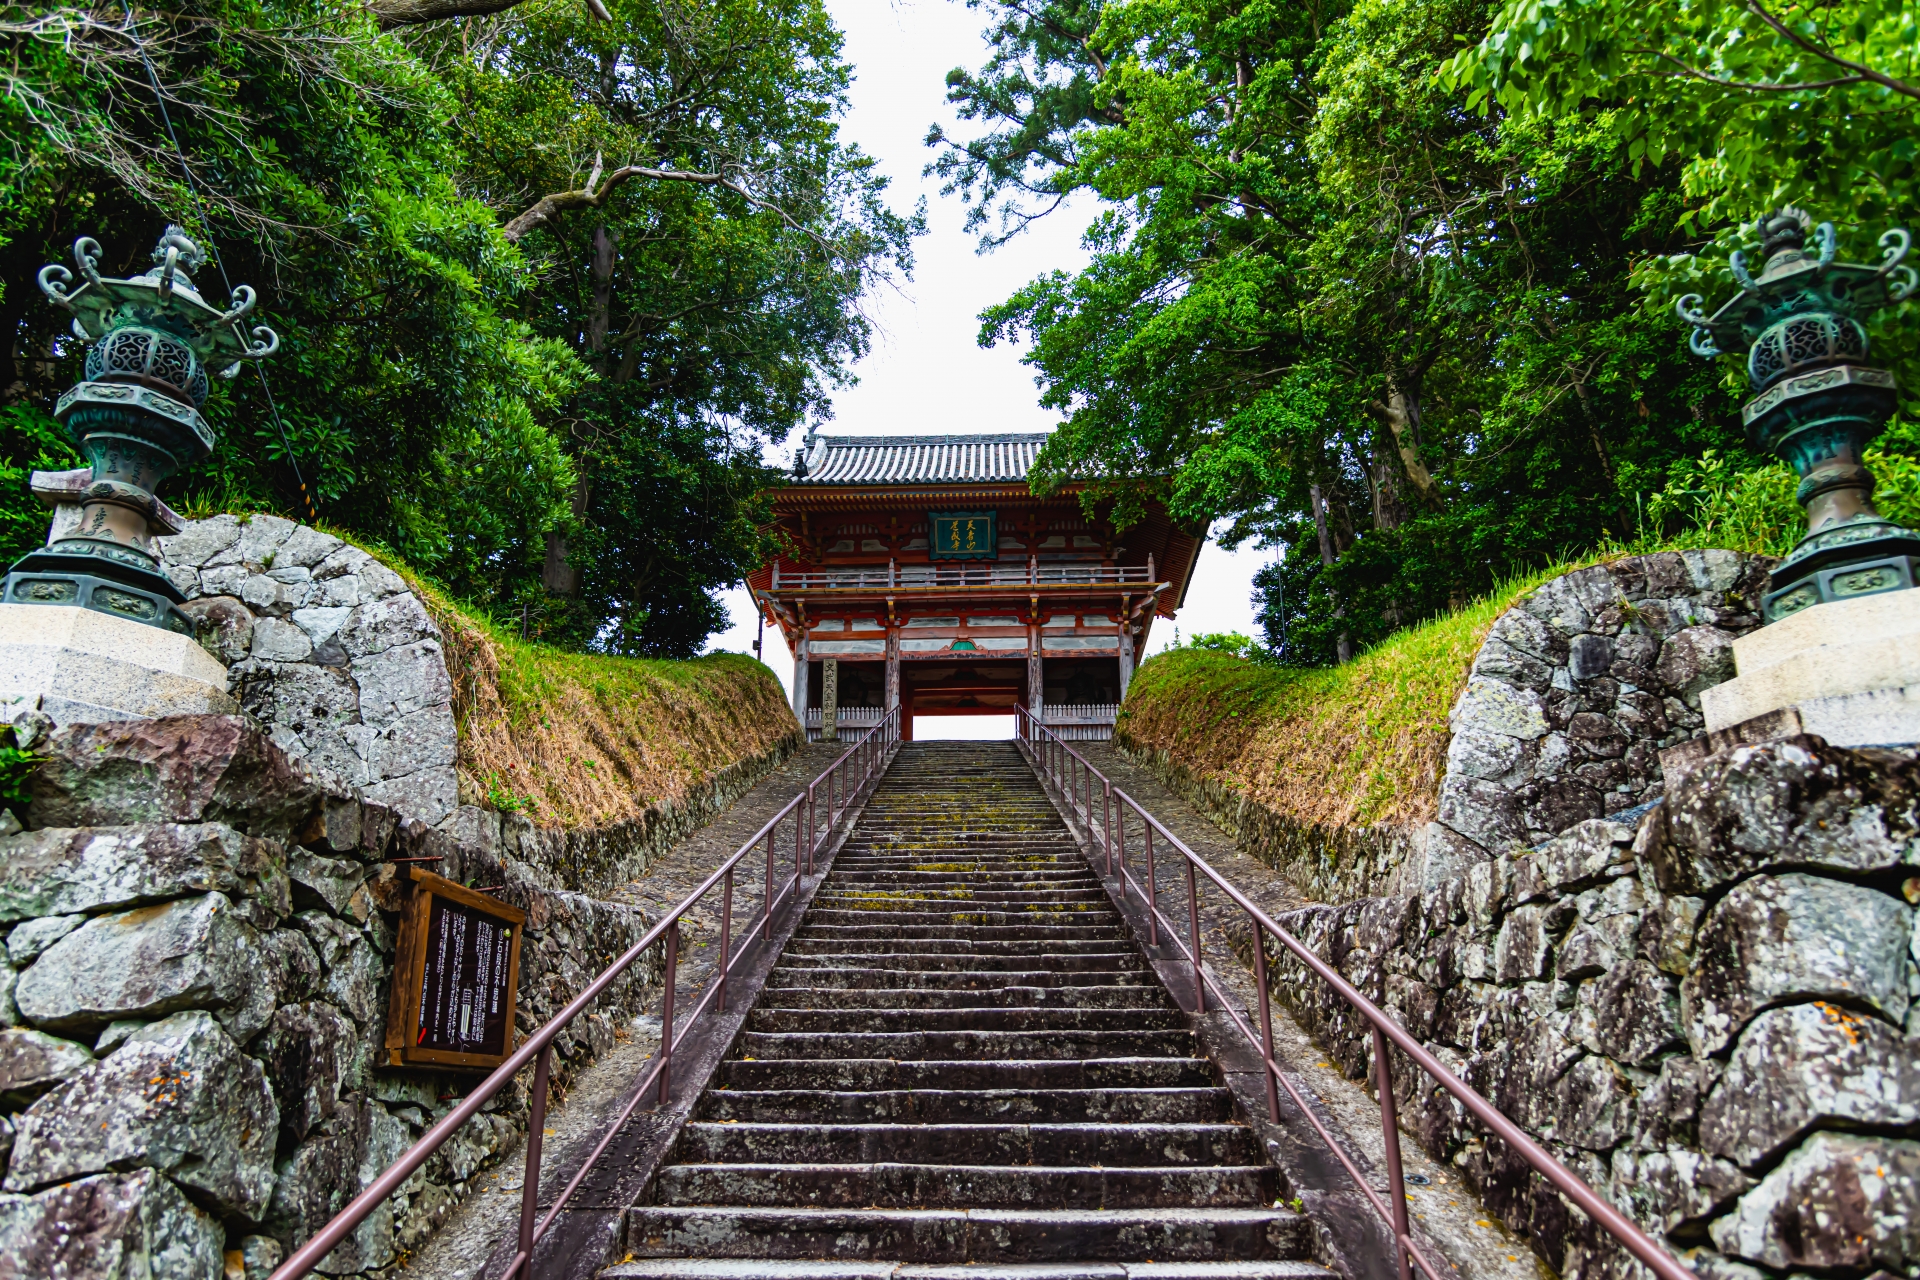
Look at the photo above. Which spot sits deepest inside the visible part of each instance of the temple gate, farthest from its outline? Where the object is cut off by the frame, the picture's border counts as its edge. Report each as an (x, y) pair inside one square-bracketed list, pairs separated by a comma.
[(927, 574)]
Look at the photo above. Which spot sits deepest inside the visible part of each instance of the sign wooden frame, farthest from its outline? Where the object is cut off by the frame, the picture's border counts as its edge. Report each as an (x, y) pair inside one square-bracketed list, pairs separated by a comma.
[(410, 969), (950, 532)]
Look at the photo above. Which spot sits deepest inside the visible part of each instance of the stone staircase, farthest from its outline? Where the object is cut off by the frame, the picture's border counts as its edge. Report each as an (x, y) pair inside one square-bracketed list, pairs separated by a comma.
[(962, 1066)]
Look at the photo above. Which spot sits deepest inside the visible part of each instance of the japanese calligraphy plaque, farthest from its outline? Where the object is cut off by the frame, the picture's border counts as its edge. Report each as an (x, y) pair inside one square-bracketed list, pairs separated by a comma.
[(963, 535)]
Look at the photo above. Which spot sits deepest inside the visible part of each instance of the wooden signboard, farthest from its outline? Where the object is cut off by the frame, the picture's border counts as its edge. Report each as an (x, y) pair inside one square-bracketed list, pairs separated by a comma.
[(964, 535), (456, 969)]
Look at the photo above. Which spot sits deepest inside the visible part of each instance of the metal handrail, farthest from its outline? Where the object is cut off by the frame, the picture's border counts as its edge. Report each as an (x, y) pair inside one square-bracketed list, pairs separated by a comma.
[(1074, 776), (869, 755)]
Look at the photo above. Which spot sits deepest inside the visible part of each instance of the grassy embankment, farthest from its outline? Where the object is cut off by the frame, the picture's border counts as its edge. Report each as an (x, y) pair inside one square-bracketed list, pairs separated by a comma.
[(575, 739), (1360, 745)]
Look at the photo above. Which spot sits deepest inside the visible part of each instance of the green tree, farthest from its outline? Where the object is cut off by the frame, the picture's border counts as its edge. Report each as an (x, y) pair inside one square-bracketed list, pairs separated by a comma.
[(703, 236), (1329, 303), (548, 389)]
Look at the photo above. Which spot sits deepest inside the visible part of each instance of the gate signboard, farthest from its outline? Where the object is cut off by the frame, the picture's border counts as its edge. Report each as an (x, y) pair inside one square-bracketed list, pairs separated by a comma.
[(963, 535), (456, 969)]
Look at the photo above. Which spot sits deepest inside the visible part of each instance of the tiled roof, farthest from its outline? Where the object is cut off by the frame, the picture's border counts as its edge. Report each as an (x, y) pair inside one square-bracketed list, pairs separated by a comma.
[(985, 458)]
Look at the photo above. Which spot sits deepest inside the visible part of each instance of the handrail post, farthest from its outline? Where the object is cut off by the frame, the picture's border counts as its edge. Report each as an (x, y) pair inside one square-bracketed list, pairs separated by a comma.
[(536, 1130), (802, 847), (1266, 1017), (726, 939), (672, 944), (1119, 866), (1193, 938), (1396, 1180), (767, 906), (1153, 889), (1106, 825)]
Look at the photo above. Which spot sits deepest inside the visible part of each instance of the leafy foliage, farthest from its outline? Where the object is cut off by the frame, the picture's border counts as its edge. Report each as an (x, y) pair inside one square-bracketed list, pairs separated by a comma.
[(1399, 308), (566, 428)]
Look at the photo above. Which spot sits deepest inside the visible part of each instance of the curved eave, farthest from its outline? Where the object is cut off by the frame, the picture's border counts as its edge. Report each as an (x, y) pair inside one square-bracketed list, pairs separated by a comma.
[(795, 496)]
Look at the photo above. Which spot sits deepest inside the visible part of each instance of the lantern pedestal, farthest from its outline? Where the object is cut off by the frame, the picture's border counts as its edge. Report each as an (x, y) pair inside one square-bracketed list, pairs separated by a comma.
[(87, 666), (1849, 668)]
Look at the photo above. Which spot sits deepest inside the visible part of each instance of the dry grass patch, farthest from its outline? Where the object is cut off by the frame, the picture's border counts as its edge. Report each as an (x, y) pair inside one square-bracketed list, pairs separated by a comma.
[(579, 740), (1359, 745)]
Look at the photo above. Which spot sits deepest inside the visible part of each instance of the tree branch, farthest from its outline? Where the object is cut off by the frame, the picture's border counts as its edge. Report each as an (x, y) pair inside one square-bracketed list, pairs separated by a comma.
[(408, 13), (596, 193), (1750, 86), (1860, 69)]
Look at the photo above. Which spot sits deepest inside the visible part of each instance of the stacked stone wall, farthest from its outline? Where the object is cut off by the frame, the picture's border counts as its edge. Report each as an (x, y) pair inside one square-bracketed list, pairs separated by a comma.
[(199, 939), (1580, 685), (1710, 1016), (347, 668), (1576, 690)]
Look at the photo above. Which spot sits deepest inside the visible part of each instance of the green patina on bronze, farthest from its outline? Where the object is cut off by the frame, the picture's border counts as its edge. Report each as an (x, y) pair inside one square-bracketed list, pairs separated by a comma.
[(1819, 402), (136, 417)]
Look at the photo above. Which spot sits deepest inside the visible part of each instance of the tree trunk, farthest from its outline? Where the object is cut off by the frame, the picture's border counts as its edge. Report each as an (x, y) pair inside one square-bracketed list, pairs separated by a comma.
[(1342, 643), (1400, 413), (606, 250), (558, 576), (1383, 477)]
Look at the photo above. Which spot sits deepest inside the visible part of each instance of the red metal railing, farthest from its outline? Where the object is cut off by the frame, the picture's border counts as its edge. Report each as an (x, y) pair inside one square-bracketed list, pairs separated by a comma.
[(835, 787), (1076, 779)]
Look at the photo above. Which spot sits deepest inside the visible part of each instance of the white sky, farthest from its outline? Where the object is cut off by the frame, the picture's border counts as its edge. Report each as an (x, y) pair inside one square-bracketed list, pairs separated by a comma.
[(926, 372)]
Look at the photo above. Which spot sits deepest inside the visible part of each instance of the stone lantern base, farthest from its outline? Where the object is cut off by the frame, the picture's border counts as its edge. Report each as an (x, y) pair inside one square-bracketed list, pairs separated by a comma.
[(87, 666), (1850, 669)]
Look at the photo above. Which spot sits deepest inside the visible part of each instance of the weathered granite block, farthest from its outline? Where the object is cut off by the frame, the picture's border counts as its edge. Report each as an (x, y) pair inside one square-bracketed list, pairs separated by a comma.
[(58, 871), (133, 1226), (179, 1097), (148, 962)]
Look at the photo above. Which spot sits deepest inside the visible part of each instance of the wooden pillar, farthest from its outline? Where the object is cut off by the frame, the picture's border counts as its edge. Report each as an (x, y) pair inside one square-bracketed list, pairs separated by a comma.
[(830, 700), (800, 679), (1036, 673), (1126, 657), (893, 668)]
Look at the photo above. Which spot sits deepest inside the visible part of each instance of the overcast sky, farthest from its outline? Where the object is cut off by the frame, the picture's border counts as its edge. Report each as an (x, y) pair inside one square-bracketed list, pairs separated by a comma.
[(927, 373)]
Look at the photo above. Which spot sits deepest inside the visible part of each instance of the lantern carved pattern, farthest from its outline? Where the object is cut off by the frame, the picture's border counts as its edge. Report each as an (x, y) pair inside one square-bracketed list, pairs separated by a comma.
[(1819, 403), (137, 420)]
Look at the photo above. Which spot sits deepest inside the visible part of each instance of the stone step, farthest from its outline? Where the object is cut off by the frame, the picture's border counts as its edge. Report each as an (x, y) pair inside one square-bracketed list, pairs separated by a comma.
[(967, 1235), (970, 1106), (889, 912), (953, 1186), (1130, 1145), (972, 1019), (948, 978), (1110, 996), (740, 1269), (906, 876), (890, 1074), (961, 932), (933, 897), (926, 954), (923, 1045)]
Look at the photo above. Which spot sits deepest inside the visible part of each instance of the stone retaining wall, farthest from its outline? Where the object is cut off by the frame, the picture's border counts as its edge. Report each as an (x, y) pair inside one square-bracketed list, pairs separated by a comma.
[(1568, 703), (345, 665), (329, 648), (1711, 1017), (199, 938), (1581, 684)]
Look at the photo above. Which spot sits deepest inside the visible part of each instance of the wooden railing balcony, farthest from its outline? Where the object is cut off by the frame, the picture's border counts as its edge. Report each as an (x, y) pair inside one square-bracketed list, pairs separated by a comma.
[(942, 576)]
